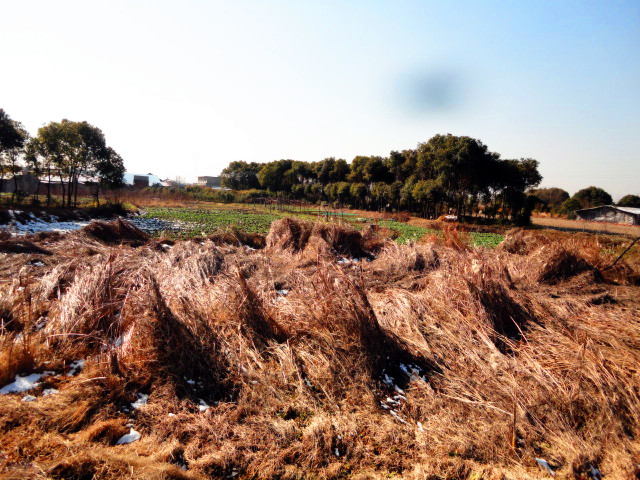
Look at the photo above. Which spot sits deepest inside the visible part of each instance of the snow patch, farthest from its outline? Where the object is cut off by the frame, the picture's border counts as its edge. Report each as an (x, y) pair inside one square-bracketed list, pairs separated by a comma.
[(544, 464), (142, 400), (76, 367), (130, 437), (39, 225), (22, 384)]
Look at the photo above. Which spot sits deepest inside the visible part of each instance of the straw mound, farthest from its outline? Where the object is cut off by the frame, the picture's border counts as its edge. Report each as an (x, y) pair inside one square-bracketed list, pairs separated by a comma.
[(289, 235), (320, 240), (521, 242), (21, 246), (426, 362), (561, 265), (114, 232)]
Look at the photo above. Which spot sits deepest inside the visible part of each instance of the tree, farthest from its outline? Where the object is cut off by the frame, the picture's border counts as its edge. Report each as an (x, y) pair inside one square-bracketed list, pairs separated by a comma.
[(428, 193), (630, 201), (38, 165), (358, 192), (462, 164), (330, 170), (369, 170), (551, 197), (77, 149), (109, 168), (240, 175), (278, 176), (12, 139), (587, 198)]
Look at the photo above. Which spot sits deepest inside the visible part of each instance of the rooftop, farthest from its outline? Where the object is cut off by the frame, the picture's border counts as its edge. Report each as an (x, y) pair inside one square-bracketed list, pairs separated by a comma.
[(632, 210)]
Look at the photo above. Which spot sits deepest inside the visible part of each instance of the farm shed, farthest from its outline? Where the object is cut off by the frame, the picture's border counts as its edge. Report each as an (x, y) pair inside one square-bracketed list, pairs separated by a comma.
[(611, 214)]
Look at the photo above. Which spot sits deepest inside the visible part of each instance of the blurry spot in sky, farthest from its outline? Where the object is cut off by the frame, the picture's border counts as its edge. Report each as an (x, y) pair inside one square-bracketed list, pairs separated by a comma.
[(430, 91)]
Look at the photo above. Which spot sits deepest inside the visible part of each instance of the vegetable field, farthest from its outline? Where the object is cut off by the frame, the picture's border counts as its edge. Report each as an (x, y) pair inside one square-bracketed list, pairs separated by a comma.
[(204, 221)]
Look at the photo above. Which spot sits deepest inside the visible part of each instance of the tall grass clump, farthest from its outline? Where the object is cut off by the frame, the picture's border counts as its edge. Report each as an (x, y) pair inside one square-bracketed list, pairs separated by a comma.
[(329, 353)]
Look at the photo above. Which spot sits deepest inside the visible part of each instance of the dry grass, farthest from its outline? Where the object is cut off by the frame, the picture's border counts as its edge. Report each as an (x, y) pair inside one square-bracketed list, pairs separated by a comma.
[(428, 361), (585, 226)]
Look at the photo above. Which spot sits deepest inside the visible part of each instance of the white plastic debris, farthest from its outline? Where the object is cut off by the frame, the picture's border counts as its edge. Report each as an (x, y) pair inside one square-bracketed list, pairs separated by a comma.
[(142, 400), (130, 437)]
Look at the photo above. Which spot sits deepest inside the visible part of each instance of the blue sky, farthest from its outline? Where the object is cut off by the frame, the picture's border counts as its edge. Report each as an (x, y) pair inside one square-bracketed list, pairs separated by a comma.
[(181, 89)]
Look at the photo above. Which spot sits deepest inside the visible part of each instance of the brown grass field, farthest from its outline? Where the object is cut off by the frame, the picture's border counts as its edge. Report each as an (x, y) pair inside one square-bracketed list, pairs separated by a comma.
[(584, 226), (327, 354)]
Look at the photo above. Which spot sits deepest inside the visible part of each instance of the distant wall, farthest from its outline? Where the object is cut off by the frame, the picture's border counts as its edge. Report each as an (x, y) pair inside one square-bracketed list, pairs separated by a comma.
[(26, 183), (608, 214)]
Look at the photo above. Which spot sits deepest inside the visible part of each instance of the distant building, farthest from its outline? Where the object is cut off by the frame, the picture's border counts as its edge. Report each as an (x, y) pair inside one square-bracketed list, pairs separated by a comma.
[(213, 182), (138, 180), (611, 214)]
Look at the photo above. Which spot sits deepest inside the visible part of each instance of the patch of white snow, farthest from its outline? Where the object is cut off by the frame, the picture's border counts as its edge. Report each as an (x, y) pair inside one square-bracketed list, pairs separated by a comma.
[(142, 400), (202, 406), (22, 384), (130, 437)]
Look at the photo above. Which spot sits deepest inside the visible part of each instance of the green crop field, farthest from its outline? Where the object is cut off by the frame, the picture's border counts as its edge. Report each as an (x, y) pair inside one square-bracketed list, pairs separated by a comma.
[(192, 222), (205, 221), (489, 240)]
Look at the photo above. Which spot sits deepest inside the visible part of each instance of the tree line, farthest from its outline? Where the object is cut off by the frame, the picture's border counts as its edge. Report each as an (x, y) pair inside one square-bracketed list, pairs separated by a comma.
[(63, 152), (446, 174), (558, 201)]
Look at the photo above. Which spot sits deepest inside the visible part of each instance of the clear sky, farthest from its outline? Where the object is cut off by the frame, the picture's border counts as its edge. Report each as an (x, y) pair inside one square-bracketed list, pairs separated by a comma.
[(183, 88)]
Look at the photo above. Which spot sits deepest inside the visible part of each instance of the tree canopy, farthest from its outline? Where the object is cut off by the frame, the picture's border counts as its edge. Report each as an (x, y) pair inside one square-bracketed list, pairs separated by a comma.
[(587, 198), (445, 174), (551, 197), (240, 175), (70, 150), (629, 201), (13, 137)]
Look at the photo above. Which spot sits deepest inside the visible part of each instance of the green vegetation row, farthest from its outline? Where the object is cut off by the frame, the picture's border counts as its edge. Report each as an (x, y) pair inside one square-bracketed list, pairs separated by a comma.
[(199, 221)]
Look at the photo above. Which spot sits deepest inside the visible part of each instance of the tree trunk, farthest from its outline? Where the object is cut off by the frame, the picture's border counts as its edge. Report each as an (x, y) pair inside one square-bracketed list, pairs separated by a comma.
[(98, 193), (49, 187), (64, 195), (15, 187)]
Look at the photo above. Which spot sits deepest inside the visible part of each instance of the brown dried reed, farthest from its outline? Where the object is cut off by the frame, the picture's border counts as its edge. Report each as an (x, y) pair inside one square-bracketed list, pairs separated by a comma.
[(427, 362)]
